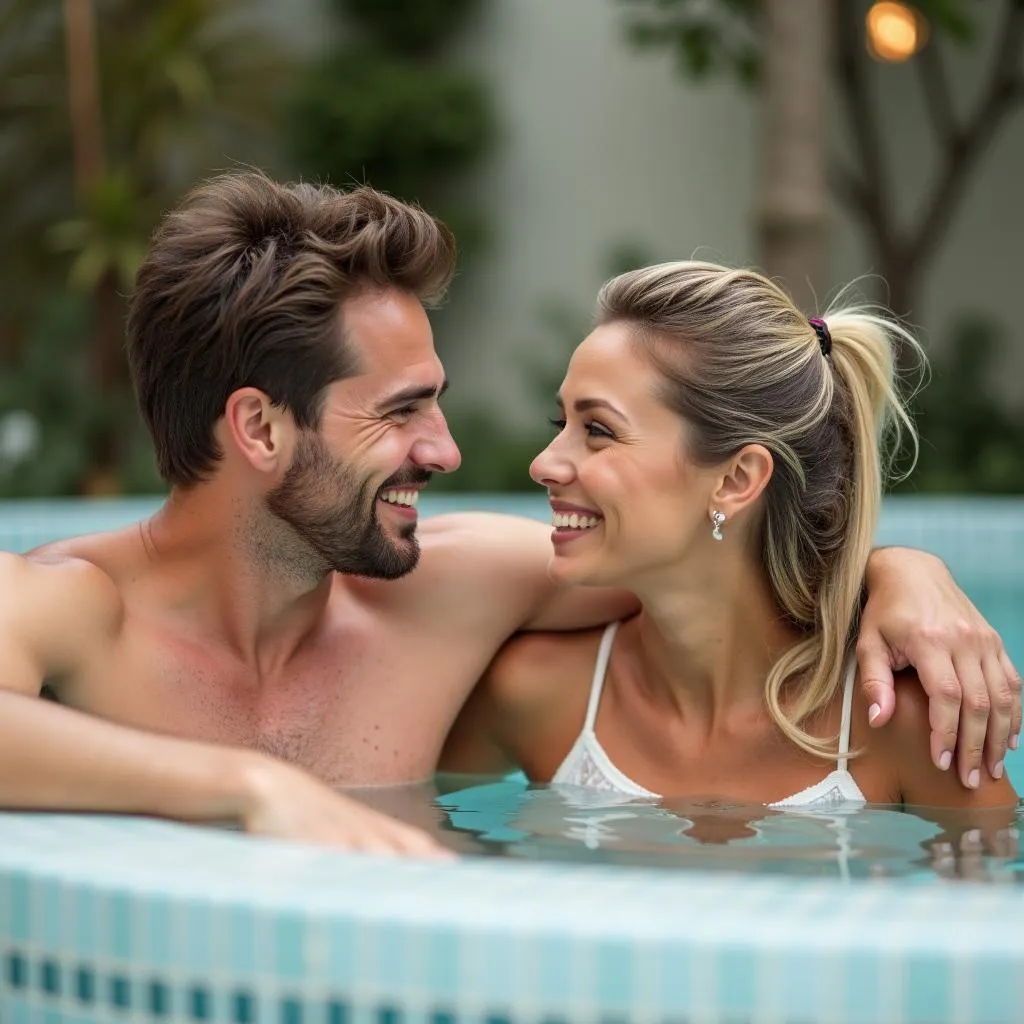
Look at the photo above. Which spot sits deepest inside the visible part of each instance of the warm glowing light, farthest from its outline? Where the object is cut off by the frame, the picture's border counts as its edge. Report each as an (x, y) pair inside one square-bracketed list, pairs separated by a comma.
[(895, 31)]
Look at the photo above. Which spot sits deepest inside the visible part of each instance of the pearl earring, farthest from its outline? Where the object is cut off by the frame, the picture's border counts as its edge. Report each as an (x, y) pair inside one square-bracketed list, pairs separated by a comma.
[(717, 518)]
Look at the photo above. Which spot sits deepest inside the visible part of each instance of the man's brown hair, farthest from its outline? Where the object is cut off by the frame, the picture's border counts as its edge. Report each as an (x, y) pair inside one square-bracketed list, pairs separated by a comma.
[(241, 288)]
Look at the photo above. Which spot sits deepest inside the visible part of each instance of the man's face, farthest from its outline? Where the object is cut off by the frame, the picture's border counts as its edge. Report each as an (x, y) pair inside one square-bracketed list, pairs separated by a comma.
[(351, 490)]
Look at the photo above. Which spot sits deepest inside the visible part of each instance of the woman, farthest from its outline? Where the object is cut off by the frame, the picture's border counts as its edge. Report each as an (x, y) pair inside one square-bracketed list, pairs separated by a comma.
[(722, 457)]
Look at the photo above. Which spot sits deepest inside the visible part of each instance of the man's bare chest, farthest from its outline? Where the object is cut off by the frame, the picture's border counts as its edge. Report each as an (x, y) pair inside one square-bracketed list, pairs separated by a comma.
[(358, 707)]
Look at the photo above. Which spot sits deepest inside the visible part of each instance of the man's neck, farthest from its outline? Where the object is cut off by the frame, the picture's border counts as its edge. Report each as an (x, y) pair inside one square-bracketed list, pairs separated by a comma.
[(201, 546)]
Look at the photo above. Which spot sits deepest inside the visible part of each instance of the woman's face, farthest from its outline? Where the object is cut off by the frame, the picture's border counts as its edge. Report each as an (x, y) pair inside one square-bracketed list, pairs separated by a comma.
[(626, 501)]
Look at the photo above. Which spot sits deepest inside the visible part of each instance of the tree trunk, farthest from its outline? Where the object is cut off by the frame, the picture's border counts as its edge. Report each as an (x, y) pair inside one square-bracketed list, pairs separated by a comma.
[(792, 190)]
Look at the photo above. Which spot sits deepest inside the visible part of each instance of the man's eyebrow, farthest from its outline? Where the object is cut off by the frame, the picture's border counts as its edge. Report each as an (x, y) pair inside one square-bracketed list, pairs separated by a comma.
[(415, 393), (586, 404)]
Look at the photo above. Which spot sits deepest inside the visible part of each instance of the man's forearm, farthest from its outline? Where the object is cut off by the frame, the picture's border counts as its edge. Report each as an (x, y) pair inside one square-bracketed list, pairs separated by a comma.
[(55, 758)]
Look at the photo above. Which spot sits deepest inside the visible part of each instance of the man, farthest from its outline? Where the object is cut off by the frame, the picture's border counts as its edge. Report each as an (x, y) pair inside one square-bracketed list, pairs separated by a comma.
[(263, 639)]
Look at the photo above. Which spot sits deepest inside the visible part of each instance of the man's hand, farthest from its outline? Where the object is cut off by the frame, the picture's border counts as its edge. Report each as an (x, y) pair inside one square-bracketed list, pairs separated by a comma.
[(917, 616), (287, 803)]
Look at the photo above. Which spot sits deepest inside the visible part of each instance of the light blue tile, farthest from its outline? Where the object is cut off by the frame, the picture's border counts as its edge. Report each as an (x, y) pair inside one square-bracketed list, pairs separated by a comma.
[(20, 920), (496, 952), (289, 942), (50, 917), (83, 928), (241, 924), (995, 986), (613, 969), (552, 979), (341, 952), (735, 981), (119, 924), (390, 942), (198, 953), (160, 943), (441, 963), (928, 994)]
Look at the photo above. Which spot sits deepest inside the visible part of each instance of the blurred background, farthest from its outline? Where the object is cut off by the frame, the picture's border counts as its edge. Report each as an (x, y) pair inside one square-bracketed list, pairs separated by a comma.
[(564, 140)]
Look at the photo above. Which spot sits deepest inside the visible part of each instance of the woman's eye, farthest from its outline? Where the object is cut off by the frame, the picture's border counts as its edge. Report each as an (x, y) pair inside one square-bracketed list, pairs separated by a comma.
[(559, 425), (596, 430)]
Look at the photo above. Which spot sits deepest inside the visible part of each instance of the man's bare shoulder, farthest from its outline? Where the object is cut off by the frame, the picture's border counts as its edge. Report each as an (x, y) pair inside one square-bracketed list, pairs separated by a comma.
[(503, 537), (54, 606), (486, 548)]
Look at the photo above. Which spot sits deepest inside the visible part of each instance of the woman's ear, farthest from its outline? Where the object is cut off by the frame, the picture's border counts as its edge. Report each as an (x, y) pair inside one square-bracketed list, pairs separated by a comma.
[(259, 430), (745, 478)]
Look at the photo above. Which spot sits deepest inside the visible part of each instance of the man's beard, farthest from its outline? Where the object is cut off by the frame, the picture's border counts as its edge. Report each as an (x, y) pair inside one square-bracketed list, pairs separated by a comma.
[(334, 514)]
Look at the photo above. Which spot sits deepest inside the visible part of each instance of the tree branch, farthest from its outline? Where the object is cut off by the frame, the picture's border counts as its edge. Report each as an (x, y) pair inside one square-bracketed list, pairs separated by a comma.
[(936, 93), (872, 190), (962, 151)]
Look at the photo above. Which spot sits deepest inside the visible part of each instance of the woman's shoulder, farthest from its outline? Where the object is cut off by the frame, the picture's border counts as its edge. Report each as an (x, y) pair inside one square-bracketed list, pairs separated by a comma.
[(539, 669), (905, 742)]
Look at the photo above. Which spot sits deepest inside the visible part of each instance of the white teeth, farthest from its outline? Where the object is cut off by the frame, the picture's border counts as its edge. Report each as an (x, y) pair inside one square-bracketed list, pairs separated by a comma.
[(410, 498), (573, 521)]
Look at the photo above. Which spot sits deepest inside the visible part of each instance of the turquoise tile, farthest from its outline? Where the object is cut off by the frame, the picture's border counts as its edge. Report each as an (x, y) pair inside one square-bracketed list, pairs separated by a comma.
[(290, 1011), (200, 1005), (50, 978), (289, 941), (120, 993), (16, 970), (158, 999), (338, 1012), (243, 1008), (119, 926), (85, 985), (388, 946)]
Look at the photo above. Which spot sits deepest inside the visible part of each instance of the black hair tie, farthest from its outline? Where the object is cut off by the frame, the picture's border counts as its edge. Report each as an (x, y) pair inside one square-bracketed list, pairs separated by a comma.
[(824, 336)]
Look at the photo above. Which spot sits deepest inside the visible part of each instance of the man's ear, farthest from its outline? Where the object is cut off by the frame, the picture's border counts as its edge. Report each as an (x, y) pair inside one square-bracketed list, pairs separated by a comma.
[(260, 431), (744, 480)]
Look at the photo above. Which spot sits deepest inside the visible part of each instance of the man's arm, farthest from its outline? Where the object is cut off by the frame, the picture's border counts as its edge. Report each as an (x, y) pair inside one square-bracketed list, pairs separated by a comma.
[(916, 616), (52, 617)]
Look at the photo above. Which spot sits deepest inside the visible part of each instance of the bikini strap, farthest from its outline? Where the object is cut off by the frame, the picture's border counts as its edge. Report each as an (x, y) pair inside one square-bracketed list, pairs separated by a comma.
[(844, 728), (597, 683)]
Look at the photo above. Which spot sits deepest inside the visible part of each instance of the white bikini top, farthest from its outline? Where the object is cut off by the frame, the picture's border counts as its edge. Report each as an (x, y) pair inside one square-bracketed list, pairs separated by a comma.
[(587, 765)]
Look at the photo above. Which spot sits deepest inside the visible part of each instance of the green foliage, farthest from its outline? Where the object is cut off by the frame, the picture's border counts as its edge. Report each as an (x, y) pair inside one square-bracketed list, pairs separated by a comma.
[(51, 420), (387, 108), (970, 442), (186, 88), (378, 118), (409, 26)]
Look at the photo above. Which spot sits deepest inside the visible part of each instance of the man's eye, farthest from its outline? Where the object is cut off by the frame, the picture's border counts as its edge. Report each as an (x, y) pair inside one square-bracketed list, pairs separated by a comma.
[(404, 413)]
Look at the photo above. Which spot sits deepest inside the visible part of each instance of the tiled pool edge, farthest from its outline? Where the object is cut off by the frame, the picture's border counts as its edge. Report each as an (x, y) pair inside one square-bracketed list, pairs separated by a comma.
[(234, 929)]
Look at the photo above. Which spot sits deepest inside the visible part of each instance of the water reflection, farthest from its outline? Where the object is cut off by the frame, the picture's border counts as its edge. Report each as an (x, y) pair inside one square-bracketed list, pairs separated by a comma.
[(507, 817)]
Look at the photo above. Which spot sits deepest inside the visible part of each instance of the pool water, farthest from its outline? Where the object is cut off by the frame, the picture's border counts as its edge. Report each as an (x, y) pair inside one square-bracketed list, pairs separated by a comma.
[(508, 817)]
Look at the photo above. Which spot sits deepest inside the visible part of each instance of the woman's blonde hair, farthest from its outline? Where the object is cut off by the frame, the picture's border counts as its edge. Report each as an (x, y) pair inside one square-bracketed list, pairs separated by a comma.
[(742, 365)]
